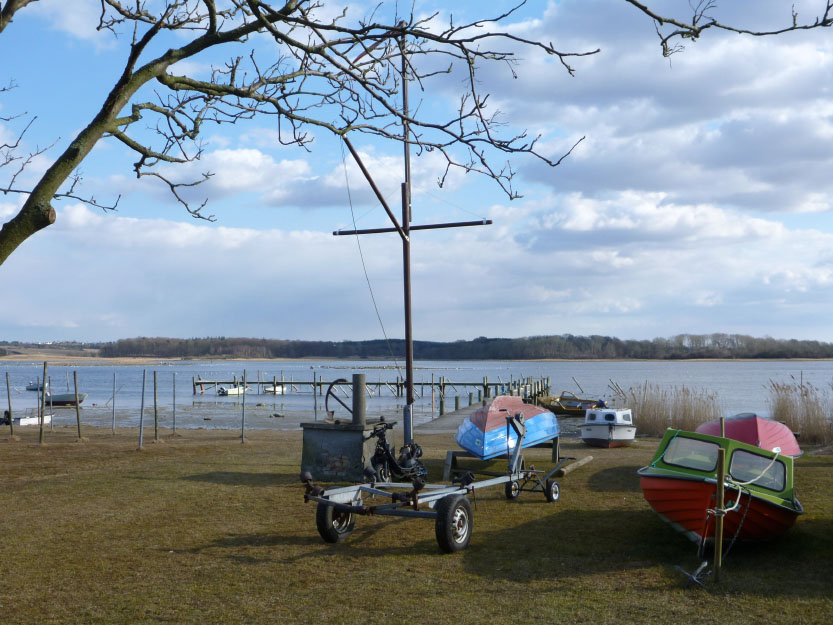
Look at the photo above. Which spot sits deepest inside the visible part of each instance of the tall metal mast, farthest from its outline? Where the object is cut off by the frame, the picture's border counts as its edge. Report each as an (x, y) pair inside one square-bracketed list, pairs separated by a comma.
[(406, 254), (404, 231)]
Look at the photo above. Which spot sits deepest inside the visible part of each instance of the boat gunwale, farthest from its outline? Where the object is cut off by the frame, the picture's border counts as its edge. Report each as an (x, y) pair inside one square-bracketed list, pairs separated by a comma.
[(660, 468)]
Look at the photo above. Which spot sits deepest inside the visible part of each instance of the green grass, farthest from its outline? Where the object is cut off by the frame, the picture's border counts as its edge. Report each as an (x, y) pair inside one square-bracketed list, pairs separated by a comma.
[(201, 529)]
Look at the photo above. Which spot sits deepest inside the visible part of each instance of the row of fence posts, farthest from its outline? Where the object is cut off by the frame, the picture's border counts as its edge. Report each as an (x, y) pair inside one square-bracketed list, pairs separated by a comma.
[(47, 383), (43, 384), (522, 387)]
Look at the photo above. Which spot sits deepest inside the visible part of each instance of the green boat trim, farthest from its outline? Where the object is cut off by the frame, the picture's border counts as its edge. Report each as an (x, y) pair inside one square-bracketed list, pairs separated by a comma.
[(693, 456)]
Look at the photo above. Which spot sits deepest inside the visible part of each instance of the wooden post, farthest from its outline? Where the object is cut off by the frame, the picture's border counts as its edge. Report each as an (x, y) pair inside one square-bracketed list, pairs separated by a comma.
[(432, 392), (51, 412), (174, 403), (9, 395), (142, 410), (114, 404), (194, 382), (442, 405), (155, 409), (456, 402), (42, 403), (471, 398), (719, 504), (77, 403), (243, 417)]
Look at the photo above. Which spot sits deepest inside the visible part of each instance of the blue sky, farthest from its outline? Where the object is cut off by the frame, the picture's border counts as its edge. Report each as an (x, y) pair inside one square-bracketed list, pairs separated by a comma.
[(698, 202)]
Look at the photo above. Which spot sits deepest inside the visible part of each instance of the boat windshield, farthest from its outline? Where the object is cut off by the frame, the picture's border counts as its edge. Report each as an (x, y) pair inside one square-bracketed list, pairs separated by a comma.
[(749, 467), (691, 453)]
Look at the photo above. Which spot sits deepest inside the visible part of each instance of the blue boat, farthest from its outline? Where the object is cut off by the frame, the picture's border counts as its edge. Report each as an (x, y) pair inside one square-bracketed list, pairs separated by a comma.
[(486, 434)]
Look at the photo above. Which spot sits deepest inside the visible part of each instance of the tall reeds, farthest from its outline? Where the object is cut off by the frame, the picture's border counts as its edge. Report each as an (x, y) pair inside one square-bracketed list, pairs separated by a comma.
[(655, 408), (805, 409)]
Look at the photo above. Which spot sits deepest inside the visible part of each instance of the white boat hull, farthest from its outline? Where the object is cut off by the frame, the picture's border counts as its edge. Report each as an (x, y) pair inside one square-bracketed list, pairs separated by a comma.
[(608, 435), (273, 390), (32, 420)]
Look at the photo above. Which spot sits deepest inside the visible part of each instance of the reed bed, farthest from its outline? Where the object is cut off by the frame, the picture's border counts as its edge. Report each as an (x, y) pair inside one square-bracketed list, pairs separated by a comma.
[(804, 408), (655, 408)]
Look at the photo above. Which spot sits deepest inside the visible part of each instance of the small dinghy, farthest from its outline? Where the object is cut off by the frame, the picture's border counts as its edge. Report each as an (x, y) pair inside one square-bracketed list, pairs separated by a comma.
[(485, 433)]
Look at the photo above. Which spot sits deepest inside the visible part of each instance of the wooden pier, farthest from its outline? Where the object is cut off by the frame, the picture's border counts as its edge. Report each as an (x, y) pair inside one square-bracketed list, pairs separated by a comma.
[(530, 388)]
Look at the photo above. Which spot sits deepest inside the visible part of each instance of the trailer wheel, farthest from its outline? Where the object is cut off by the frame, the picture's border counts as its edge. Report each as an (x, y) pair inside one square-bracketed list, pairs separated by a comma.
[(454, 523), (512, 489), (552, 491), (334, 525)]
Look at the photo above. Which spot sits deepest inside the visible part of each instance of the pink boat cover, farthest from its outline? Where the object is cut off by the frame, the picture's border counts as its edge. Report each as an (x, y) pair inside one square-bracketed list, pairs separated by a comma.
[(749, 428), (493, 415)]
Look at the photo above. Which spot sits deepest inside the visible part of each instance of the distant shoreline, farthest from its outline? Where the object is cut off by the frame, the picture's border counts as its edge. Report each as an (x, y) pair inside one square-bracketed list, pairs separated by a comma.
[(93, 359)]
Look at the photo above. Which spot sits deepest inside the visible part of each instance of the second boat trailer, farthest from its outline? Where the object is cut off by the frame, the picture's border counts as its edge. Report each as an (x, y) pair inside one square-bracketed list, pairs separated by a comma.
[(448, 505)]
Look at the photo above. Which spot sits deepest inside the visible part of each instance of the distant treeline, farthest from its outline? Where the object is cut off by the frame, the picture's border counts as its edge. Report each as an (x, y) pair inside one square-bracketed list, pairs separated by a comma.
[(567, 346)]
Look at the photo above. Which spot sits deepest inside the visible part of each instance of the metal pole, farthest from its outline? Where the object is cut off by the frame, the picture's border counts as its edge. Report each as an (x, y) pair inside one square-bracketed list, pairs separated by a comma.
[(42, 403), (9, 395), (718, 521), (359, 399), (142, 410), (243, 417), (155, 410), (406, 255), (77, 403), (114, 403), (174, 406)]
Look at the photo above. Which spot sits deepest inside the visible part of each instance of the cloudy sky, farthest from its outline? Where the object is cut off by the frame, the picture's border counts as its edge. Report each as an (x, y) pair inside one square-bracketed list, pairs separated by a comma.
[(699, 200)]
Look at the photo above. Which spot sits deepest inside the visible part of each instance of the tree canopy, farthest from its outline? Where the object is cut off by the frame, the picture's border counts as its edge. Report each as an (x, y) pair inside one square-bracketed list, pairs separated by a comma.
[(327, 70)]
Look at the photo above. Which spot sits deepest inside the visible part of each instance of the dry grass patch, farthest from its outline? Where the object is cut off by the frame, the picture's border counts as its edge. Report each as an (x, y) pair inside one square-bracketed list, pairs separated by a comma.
[(201, 529), (655, 409)]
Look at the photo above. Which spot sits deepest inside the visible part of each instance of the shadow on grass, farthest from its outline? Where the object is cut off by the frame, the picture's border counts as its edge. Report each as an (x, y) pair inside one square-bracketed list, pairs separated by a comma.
[(615, 479), (576, 543), (363, 543), (237, 478)]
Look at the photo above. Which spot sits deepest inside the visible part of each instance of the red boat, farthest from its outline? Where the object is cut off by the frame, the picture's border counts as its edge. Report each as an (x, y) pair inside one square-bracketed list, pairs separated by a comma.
[(680, 485), (749, 428)]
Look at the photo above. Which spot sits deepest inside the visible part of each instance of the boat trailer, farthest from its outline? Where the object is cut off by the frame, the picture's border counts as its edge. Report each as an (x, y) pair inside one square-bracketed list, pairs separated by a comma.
[(448, 505)]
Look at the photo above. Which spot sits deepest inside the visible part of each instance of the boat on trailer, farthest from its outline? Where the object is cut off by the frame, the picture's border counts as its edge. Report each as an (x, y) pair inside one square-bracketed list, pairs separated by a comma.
[(607, 427), (680, 484), (486, 434)]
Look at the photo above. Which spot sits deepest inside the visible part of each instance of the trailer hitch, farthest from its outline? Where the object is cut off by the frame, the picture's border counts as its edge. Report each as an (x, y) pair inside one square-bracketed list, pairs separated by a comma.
[(311, 489), (411, 497)]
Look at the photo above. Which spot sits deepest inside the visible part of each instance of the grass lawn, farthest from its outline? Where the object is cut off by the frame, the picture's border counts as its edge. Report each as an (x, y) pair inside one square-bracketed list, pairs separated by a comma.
[(201, 529)]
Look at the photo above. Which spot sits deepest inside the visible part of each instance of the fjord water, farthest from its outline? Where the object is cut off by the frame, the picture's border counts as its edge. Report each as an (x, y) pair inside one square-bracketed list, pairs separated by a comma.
[(739, 386)]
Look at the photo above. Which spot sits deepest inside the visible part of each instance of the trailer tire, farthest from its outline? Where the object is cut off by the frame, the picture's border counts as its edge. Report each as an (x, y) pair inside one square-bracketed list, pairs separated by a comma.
[(512, 489), (335, 526), (552, 491), (454, 523)]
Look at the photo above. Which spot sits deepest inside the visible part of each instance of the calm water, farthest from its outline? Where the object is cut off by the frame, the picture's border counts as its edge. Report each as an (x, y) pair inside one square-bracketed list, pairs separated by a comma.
[(739, 386)]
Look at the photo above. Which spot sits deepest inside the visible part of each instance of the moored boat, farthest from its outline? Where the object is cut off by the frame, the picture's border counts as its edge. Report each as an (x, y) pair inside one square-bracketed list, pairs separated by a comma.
[(568, 404), (36, 385), (608, 427), (237, 389), (751, 429), (64, 399), (485, 433), (273, 389), (30, 418), (680, 484)]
